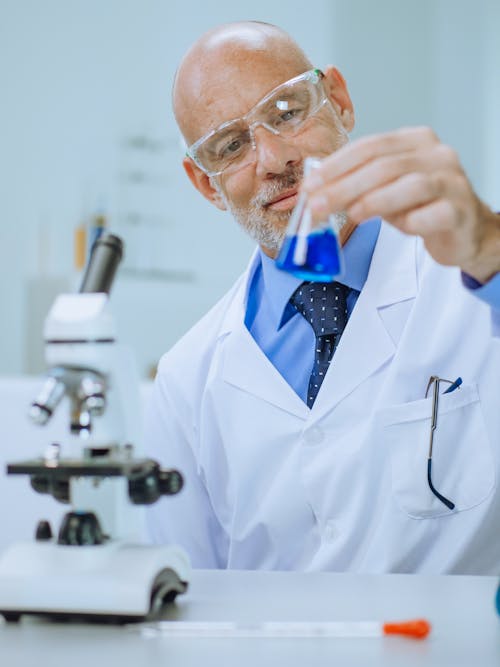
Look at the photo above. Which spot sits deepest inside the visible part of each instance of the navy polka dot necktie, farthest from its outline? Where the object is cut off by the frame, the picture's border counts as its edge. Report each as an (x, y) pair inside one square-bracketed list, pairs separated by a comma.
[(324, 306)]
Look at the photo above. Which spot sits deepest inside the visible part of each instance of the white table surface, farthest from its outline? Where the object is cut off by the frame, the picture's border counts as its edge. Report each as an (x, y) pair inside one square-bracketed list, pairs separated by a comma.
[(466, 628)]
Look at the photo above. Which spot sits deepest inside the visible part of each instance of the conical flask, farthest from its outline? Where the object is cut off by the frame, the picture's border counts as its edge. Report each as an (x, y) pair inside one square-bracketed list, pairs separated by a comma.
[(311, 250)]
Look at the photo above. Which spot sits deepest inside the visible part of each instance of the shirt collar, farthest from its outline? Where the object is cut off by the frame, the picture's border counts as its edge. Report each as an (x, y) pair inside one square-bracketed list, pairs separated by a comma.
[(280, 285)]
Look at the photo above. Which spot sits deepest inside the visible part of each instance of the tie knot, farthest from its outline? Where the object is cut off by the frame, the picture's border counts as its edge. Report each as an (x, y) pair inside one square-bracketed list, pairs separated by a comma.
[(323, 305)]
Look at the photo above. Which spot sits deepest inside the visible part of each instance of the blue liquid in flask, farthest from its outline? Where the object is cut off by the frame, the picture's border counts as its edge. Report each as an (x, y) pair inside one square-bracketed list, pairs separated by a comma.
[(322, 262)]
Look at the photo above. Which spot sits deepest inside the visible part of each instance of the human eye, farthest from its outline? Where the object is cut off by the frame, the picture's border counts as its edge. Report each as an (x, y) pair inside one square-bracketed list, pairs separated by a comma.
[(232, 146), (290, 114), (229, 145), (290, 111)]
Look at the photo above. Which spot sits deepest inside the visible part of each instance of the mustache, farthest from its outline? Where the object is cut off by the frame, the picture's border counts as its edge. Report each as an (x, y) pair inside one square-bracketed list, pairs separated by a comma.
[(280, 183)]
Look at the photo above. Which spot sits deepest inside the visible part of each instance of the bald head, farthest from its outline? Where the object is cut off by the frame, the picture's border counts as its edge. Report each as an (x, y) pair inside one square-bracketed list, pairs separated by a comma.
[(218, 68)]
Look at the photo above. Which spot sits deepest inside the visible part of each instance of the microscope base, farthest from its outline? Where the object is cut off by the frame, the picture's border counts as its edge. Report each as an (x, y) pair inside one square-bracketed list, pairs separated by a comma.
[(115, 582)]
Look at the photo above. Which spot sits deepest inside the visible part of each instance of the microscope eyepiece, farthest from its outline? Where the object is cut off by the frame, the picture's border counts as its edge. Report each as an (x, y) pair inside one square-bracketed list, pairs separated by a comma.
[(106, 254)]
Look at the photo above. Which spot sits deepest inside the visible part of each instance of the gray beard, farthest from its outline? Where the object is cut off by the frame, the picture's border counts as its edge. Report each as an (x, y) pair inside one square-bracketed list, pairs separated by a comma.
[(268, 228), (269, 236), (261, 229)]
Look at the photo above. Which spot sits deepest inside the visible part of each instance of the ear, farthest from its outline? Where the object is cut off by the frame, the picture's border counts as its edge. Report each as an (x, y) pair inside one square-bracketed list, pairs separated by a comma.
[(338, 95), (202, 183)]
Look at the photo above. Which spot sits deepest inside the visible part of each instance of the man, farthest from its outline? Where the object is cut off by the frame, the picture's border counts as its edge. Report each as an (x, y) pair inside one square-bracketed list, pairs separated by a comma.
[(287, 467)]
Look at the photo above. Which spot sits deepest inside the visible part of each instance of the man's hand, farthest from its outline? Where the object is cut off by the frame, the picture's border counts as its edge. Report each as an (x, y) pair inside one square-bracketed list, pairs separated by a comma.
[(416, 183)]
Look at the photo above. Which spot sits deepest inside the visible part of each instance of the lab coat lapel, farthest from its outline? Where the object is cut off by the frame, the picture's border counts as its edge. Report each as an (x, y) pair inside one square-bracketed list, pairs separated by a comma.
[(245, 366), (367, 343), (369, 339)]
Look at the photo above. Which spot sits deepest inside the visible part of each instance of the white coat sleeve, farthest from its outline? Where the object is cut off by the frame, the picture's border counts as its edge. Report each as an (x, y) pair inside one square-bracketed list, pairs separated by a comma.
[(186, 519)]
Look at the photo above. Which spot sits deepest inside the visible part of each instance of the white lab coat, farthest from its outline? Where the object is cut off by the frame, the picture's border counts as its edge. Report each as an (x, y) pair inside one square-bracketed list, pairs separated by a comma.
[(271, 484)]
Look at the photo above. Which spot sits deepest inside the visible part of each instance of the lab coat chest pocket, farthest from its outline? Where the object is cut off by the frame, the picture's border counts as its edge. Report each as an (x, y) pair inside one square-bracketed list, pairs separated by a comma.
[(462, 461)]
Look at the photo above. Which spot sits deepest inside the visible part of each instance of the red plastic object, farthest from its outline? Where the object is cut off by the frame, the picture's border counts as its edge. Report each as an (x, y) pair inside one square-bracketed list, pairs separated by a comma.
[(418, 629)]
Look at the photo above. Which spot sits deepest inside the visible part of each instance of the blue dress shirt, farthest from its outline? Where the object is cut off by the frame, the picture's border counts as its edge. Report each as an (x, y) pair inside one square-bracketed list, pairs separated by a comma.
[(279, 330)]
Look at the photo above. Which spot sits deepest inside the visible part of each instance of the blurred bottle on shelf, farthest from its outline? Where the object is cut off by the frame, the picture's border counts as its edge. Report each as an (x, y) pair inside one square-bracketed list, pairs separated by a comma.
[(80, 247)]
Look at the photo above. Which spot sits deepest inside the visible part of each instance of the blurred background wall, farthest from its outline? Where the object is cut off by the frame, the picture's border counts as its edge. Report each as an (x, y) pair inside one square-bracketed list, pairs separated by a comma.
[(86, 130)]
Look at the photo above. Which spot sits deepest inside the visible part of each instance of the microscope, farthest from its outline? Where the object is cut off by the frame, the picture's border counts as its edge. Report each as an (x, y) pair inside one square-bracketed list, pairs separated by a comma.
[(96, 566)]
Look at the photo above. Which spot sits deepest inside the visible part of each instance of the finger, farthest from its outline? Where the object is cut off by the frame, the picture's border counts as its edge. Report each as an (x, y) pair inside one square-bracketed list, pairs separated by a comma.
[(354, 154), (435, 218), (451, 212), (431, 218), (343, 192), (405, 193)]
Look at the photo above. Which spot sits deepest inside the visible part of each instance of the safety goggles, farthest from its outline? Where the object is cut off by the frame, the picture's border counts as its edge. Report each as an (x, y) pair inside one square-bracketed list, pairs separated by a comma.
[(283, 111)]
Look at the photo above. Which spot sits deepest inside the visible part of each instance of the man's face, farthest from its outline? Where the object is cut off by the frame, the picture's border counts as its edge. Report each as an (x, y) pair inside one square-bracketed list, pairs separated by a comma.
[(262, 195)]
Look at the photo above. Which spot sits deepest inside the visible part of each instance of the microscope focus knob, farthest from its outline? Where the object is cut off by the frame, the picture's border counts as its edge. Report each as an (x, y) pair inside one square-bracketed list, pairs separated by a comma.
[(170, 482), (43, 531), (147, 487)]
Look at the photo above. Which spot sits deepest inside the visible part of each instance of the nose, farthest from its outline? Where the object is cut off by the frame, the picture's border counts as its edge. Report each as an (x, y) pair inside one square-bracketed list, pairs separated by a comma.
[(273, 152)]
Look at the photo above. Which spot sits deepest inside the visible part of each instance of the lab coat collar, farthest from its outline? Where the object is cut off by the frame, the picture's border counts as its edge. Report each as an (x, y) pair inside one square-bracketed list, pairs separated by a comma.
[(365, 345), (393, 274), (373, 329), (244, 364), (246, 367)]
